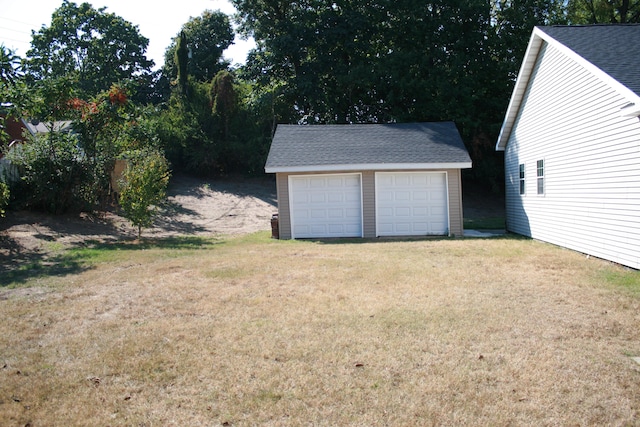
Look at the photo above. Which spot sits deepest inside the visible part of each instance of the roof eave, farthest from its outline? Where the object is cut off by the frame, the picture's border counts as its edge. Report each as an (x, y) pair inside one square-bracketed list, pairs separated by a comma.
[(367, 167), (533, 49), (522, 81)]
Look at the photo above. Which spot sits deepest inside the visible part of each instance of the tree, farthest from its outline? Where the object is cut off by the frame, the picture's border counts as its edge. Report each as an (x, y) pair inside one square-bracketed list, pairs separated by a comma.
[(359, 61), (93, 47), (9, 66), (54, 174), (603, 11), (207, 36), (144, 185), (10, 77), (224, 100), (181, 56), (364, 61)]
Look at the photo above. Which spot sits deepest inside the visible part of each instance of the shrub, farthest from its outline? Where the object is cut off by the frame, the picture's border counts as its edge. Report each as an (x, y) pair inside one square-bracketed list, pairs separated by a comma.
[(143, 185), (4, 197), (56, 176)]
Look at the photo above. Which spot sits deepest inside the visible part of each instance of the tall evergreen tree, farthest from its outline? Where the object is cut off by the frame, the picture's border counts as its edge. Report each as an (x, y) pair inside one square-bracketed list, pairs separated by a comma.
[(182, 62)]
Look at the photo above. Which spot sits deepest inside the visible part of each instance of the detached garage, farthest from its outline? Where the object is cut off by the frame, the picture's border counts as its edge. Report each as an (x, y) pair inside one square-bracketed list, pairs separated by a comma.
[(368, 180)]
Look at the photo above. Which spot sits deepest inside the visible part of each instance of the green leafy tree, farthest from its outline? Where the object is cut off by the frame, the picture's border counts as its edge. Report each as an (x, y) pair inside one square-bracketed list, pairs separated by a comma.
[(10, 81), (224, 101), (4, 197), (206, 36), (92, 46), (143, 186), (10, 69), (358, 61), (603, 11), (181, 56)]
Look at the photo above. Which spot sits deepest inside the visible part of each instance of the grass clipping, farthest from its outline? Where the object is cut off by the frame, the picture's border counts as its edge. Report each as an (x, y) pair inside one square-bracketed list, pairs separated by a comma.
[(251, 331)]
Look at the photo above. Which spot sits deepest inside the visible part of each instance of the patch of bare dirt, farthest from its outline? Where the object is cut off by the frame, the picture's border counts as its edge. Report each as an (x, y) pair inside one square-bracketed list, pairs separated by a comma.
[(193, 207)]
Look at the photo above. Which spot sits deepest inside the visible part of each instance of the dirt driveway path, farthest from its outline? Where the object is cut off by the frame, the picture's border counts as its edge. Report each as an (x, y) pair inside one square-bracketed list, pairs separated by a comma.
[(193, 207), (217, 207)]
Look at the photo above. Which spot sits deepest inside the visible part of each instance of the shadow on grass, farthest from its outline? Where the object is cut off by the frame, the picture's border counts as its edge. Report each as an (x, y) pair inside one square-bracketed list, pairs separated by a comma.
[(360, 241), (169, 243), (485, 223), (21, 265)]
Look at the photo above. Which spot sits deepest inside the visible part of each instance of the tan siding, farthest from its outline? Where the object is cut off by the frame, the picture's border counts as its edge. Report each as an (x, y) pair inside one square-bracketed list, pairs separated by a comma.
[(570, 119), (284, 217), (455, 202), (368, 204)]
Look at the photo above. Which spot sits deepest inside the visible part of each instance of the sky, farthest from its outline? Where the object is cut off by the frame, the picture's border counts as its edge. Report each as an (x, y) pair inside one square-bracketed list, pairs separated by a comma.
[(155, 21)]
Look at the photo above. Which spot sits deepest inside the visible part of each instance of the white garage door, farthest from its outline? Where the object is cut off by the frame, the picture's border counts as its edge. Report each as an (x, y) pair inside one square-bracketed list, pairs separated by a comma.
[(411, 203), (326, 205)]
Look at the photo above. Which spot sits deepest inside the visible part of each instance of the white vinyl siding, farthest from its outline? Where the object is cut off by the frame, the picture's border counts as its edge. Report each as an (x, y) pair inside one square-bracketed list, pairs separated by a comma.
[(591, 181)]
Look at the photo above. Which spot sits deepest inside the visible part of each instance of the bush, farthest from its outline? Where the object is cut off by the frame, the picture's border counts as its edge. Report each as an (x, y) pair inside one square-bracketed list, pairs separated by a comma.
[(4, 197), (144, 184), (56, 176)]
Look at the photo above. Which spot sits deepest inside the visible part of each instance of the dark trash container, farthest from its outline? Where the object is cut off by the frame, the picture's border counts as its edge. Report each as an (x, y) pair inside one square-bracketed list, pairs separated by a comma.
[(275, 232)]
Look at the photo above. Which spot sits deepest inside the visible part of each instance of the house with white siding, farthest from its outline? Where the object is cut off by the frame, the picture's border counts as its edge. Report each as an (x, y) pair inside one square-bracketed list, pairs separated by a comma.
[(571, 141)]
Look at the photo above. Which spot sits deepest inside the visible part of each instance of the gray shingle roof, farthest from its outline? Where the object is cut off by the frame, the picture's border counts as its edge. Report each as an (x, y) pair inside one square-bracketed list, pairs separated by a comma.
[(366, 147), (615, 49)]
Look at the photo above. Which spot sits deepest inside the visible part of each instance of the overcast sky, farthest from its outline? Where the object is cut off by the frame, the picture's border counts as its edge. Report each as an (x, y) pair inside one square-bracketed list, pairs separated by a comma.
[(156, 21)]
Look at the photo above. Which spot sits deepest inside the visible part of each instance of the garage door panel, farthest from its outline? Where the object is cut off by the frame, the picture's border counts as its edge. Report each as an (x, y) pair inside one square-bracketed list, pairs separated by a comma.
[(422, 227), (385, 180), (353, 213), (299, 197), (421, 196), (385, 196), (411, 203), (353, 198), (302, 214), (420, 180), (326, 206), (335, 197), (402, 180), (335, 213), (402, 196), (318, 213), (420, 212)]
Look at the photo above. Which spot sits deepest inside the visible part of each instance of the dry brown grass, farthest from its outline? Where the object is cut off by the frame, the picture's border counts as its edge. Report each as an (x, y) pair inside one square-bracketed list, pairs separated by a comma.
[(251, 331)]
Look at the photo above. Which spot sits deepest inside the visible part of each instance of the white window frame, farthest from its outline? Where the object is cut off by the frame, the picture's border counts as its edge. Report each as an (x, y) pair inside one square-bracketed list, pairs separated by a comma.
[(522, 179), (540, 172)]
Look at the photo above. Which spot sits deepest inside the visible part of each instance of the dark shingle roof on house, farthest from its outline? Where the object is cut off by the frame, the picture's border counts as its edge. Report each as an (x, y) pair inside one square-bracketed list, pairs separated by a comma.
[(362, 146), (612, 52), (615, 48)]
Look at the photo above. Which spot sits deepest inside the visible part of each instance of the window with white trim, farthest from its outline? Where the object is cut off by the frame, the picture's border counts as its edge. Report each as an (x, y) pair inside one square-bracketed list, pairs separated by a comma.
[(522, 185), (540, 175)]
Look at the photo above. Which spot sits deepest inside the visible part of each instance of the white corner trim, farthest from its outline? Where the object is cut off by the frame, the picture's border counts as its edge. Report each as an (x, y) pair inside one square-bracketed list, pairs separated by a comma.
[(630, 110)]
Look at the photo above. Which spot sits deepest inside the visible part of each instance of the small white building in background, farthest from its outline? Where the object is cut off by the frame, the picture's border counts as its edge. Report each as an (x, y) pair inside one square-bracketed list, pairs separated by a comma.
[(571, 141)]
